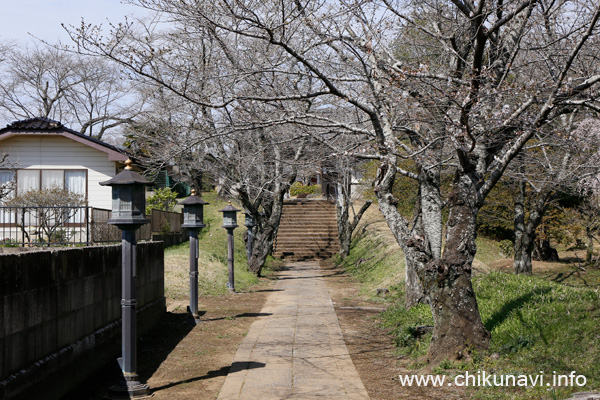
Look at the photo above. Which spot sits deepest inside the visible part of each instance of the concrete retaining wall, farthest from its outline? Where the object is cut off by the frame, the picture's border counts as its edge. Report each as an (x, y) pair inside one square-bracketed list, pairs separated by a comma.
[(61, 313)]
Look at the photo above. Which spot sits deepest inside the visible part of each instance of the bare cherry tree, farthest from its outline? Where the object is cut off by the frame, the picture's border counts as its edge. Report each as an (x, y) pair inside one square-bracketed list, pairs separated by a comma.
[(457, 87), (86, 93), (555, 165)]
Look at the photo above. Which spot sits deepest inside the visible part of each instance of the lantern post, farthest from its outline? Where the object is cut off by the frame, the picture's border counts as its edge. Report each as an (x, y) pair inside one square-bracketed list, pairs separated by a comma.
[(193, 221), (230, 223), (128, 214)]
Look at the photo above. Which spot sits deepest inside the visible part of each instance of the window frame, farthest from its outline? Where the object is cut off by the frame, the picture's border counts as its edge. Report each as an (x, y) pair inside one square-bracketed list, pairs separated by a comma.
[(39, 170)]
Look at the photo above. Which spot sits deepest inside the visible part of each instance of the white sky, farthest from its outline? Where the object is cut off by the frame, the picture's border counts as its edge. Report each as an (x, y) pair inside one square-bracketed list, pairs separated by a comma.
[(43, 18)]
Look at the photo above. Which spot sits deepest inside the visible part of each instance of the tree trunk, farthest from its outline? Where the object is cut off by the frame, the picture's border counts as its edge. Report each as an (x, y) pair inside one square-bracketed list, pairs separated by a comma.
[(345, 226), (263, 239), (343, 221), (447, 281), (523, 250), (428, 224), (431, 210), (525, 237), (415, 293), (262, 247), (543, 251)]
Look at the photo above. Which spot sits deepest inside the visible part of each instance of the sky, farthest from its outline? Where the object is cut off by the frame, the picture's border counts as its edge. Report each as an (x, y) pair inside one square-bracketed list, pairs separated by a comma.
[(43, 18)]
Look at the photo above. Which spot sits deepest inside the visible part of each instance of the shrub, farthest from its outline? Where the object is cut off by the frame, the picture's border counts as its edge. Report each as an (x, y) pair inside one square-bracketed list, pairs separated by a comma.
[(51, 208), (298, 189), (163, 199)]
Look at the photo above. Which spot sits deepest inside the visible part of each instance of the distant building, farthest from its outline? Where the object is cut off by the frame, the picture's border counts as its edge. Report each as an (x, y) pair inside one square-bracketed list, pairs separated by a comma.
[(43, 153)]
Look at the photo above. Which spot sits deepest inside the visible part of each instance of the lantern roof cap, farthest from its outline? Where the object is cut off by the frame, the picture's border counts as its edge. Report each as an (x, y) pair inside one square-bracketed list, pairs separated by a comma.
[(127, 177), (229, 208), (193, 200)]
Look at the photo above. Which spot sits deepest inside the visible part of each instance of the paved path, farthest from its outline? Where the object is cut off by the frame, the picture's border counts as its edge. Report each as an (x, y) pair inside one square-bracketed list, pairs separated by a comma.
[(297, 351)]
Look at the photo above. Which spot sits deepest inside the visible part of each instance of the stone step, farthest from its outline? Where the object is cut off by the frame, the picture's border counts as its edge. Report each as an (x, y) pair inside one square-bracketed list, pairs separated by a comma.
[(300, 257), (326, 217), (303, 228), (307, 235), (308, 230), (302, 222), (306, 239), (306, 244), (305, 253), (304, 213)]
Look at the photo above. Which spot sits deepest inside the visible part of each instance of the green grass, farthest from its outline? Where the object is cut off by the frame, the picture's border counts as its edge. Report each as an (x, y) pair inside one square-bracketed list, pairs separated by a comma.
[(488, 250), (212, 261), (539, 323), (373, 264), (536, 326)]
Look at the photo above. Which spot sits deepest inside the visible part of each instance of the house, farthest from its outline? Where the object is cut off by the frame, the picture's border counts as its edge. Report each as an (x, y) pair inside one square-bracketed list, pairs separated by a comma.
[(44, 153)]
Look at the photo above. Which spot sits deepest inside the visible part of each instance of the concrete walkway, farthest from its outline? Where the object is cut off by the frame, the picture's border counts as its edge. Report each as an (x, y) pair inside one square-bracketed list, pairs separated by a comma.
[(296, 350)]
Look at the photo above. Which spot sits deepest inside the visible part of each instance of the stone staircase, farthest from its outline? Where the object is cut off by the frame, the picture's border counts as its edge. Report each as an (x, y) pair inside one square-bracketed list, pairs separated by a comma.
[(308, 230)]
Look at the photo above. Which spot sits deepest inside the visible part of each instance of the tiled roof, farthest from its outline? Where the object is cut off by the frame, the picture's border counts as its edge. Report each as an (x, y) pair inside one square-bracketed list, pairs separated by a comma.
[(41, 124), (38, 123)]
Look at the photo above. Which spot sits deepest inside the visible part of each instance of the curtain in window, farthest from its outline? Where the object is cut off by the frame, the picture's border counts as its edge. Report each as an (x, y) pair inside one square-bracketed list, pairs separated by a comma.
[(52, 179), (27, 180), (75, 183)]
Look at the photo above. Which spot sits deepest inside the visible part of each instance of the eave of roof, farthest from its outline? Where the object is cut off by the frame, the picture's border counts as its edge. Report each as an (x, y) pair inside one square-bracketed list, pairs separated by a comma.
[(44, 126)]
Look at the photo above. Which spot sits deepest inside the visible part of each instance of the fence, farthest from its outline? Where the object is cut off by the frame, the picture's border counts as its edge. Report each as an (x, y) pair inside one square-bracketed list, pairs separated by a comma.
[(165, 221), (44, 226), (102, 232), (61, 311), (49, 226)]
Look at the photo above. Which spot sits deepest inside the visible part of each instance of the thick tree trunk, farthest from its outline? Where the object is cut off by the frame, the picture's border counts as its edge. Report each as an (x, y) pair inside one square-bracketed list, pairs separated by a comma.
[(543, 251), (414, 292), (428, 224), (263, 240), (447, 281), (262, 247), (523, 250), (431, 210)]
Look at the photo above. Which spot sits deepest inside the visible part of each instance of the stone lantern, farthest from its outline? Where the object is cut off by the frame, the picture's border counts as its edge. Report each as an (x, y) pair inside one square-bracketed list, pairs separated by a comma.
[(230, 223), (193, 220), (229, 216), (128, 198), (128, 214)]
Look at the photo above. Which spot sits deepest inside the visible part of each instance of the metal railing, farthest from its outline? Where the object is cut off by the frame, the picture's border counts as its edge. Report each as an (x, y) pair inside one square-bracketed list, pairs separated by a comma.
[(44, 226), (55, 226)]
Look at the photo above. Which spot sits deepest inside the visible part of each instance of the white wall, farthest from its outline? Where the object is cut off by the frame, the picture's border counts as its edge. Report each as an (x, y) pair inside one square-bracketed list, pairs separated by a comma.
[(57, 152)]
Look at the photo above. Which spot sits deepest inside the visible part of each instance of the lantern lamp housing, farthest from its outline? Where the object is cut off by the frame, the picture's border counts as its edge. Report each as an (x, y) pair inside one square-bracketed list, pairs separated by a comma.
[(128, 198), (193, 212), (249, 221), (230, 216)]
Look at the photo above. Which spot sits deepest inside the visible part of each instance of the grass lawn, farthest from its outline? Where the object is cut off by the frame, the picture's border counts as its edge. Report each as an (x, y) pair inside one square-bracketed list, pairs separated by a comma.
[(212, 260), (543, 324)]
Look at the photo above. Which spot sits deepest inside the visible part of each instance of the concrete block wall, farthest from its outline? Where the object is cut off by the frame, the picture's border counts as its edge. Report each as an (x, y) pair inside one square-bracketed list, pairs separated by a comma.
[(61, 313)]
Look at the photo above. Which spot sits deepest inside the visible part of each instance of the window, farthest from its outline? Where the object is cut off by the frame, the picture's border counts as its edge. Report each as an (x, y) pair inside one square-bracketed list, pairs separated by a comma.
[(6, 193), (74, 181), (6, 177)]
